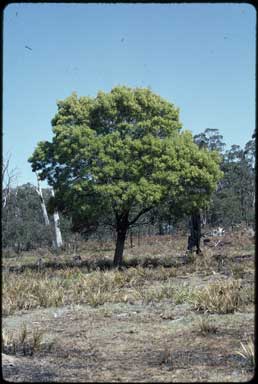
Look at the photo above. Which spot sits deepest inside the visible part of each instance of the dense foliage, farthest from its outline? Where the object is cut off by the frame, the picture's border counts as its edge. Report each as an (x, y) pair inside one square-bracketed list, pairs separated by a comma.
[(117, 156)]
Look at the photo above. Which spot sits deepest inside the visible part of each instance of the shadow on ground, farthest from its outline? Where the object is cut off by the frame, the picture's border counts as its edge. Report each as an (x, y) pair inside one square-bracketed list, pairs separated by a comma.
[(101, 264)]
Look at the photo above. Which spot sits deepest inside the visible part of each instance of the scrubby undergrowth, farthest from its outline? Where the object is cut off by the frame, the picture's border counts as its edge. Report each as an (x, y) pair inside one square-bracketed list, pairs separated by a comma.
[(166, 296)]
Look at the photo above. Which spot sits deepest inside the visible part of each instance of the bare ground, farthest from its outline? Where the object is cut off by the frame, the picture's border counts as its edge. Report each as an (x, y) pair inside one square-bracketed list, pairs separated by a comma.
[(131, 343)]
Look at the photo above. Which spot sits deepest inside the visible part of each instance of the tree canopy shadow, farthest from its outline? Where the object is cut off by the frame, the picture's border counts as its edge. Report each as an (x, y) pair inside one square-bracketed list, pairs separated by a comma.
[(102, 264)]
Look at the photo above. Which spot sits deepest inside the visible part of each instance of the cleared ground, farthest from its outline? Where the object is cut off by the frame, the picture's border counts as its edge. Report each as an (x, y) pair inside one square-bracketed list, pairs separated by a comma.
[(164, 317)]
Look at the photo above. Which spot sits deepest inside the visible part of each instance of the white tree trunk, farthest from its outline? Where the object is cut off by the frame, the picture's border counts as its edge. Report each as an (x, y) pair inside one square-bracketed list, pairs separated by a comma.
[(4, 198), (42, 202), (204, 217), (58, 234), (8, 177)]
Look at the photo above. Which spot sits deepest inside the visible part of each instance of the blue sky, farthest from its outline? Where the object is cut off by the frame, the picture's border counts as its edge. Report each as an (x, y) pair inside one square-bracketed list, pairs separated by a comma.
[(200, 57)]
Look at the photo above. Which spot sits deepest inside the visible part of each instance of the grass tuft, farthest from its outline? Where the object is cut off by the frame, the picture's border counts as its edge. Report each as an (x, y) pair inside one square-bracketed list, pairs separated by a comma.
[(205, 326), (219, 297), (22, 341), (247, 352)]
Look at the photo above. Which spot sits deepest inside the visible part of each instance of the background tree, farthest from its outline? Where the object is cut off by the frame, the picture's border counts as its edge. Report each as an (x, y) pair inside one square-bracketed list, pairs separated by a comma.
[(239, 166), (118, 156), (233, 200), (8, 178), (23, 224), (210, 139)]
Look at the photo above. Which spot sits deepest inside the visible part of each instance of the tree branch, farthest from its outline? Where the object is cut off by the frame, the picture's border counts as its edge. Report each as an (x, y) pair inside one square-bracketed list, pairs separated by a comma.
[(139, 214)]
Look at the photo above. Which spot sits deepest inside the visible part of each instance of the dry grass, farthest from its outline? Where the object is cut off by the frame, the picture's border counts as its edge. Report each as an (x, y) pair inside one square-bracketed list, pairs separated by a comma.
[(44, 289), (238, 271), (23, 341), (206, 326), (166, 357), (147, 329), (248, 353), (219, 297), (183, 294), (149, 278), (33, 290)]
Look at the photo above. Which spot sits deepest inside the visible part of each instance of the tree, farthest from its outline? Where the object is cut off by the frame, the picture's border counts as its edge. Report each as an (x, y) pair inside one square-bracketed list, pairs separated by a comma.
[(58, 242), (8, 177), (210, 139), (42, 202), (23, 224), (195, 232), (234, 199), (58, 233), (241, 168), (22, 220), (117, 156)]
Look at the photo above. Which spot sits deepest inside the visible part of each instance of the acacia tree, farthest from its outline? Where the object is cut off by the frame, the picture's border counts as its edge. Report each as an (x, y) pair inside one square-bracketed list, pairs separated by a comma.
[(117, 156)]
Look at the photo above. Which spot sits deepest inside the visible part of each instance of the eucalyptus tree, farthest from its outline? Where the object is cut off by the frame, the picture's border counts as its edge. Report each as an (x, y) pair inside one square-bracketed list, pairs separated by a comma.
[(234, 200), (239, 164), (117, 156), (8, 177), (210, 139), (22, 220)]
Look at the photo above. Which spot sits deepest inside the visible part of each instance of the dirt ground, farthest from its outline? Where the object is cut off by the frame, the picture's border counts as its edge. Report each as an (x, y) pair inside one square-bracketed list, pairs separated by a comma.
[(133, 342), (130, 343)]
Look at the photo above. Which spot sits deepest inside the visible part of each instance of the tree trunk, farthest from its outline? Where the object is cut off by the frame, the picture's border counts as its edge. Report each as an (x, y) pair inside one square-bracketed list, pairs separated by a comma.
[(58, 234), (42, 203), (195, 232), (139, 237), (204, 217), (120, 242), (161, 229), (122, 226), (131, 239)]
